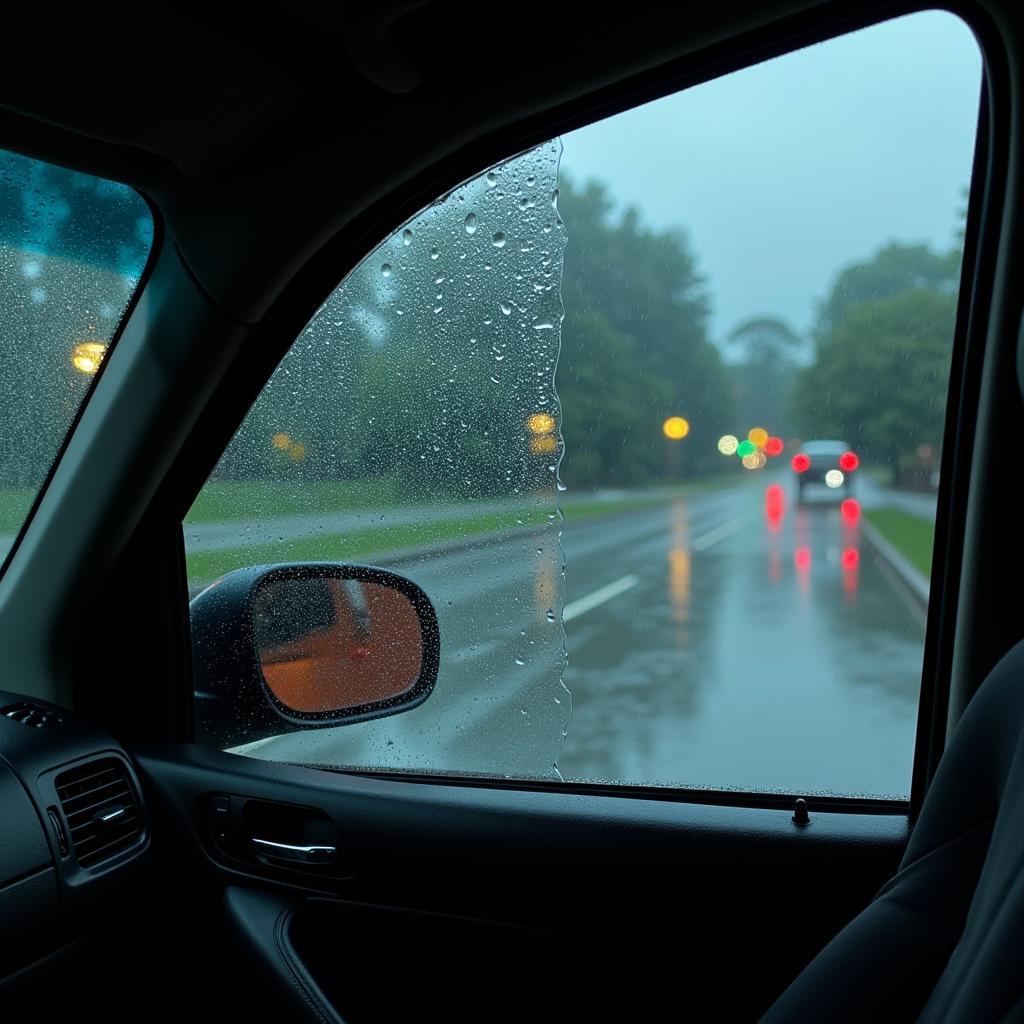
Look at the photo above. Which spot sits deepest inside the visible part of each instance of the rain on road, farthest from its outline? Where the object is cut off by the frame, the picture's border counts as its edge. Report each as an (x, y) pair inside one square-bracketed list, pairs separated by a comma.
[(717, 640)]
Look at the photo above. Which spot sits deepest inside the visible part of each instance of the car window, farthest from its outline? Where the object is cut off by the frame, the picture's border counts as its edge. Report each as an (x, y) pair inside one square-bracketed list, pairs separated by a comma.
[(72, 250), (653, 414), (824, 447)]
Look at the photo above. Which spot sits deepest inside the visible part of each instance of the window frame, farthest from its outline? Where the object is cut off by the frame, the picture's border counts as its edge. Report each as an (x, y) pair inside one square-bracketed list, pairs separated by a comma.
[(293, 309)]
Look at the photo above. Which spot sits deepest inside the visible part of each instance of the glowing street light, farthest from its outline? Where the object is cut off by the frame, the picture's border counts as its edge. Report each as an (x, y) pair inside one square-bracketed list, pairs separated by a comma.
[(541, 423), (281, 441), (727, 444), (675, 428), (86, 356)]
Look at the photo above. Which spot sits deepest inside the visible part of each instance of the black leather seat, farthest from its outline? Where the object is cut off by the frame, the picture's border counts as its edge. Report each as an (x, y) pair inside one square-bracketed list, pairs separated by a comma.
[(944, 939)]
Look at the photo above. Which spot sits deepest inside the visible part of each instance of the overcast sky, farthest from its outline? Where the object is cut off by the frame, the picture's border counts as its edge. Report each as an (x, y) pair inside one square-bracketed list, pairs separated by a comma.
[(785, 172)]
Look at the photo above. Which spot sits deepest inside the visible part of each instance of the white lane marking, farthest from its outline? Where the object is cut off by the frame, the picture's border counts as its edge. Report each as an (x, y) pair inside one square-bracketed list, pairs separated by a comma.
[(702, 543), (575, 609)]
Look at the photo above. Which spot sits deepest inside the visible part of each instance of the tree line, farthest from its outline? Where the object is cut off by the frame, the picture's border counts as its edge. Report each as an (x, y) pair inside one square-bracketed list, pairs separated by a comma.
[(434, 364)]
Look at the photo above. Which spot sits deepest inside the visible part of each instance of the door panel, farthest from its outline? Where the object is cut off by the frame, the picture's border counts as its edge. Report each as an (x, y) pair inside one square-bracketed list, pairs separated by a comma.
[(446, 893)]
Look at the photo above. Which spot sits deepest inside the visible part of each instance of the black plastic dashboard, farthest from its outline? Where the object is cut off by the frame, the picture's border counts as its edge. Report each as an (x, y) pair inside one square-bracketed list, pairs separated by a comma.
[(74, 841)]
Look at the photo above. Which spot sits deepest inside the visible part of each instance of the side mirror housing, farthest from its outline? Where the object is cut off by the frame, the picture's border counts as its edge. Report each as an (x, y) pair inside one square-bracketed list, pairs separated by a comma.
[(280, 648)]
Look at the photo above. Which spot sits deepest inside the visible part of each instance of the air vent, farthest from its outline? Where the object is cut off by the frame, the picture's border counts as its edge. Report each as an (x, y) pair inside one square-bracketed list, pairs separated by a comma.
[(101, 810), (35, 715)]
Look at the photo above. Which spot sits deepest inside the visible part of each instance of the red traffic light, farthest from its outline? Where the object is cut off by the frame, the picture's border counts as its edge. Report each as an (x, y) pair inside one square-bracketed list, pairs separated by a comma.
[(800, 463), (773, 446), (848, 461)]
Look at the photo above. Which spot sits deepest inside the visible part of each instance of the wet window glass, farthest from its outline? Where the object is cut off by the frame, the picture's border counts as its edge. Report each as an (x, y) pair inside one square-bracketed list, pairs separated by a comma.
[(72, 249), (653, 414)]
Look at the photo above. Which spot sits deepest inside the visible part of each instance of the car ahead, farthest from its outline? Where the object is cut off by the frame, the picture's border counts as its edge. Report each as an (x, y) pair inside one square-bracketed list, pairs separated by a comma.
[(827, 463)]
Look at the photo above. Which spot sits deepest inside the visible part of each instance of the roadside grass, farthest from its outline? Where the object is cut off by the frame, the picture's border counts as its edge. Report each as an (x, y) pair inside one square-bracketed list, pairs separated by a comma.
[(234, 500), (238, 500), (205, 566), (912, 536)]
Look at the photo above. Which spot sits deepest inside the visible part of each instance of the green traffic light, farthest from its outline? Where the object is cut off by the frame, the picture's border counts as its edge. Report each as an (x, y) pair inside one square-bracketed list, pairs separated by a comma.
[(745, 448)]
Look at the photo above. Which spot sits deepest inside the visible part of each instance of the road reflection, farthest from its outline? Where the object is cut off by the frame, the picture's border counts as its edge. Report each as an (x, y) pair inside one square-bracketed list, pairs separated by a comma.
[(679, 567), (545, 583), (774, 514)]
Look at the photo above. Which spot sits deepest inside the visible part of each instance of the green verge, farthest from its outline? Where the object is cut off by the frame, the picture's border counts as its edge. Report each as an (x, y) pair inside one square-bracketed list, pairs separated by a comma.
[(204, 566), (912, 536), (234, 500)]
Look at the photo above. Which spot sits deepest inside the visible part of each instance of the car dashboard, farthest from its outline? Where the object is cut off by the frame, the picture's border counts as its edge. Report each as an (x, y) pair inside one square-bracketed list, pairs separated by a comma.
[(75, 837)]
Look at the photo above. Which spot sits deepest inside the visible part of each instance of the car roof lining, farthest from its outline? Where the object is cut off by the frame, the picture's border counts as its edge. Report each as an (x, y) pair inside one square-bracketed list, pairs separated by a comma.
[(222, 115)]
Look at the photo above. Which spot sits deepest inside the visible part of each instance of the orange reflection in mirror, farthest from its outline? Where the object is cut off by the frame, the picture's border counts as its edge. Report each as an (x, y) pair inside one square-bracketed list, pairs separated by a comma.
[(328, 644)]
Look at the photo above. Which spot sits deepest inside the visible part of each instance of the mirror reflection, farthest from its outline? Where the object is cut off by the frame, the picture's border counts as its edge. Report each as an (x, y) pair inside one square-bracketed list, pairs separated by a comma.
[(326, 644)]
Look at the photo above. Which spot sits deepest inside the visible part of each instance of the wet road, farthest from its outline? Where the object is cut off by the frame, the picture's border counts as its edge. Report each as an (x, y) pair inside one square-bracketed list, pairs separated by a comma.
[(715, 641)]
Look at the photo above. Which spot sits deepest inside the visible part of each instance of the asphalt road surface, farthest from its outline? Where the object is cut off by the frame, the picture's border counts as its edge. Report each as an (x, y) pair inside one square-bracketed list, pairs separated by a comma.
[(721, 640)]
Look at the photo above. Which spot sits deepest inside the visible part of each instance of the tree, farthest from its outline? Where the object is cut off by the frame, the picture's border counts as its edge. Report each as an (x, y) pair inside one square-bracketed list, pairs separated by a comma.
[(634, 346), (893, 270), (882, 358), (765, 351), (427, 365)]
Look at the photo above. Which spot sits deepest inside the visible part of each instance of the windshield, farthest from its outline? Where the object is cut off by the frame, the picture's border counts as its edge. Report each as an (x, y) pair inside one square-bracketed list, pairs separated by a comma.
[(72, 250)]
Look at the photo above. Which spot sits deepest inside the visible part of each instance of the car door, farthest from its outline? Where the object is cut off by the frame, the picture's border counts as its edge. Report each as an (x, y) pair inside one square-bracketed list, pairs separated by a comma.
[(443, 856)]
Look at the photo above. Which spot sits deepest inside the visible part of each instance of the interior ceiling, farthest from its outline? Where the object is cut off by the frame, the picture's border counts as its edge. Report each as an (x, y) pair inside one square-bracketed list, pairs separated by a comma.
[(309, 111)]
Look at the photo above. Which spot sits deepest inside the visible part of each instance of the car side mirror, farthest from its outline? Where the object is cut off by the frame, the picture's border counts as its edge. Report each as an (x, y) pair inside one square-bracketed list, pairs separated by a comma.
[(281, 648)]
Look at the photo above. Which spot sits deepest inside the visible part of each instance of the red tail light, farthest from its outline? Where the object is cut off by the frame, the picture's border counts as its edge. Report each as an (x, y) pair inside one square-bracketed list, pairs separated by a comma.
[(848, 461), (850, 510), (850, 559), (800, 463)]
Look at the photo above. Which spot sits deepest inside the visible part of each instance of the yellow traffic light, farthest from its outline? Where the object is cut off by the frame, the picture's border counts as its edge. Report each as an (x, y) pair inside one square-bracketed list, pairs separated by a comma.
[(758, 436)]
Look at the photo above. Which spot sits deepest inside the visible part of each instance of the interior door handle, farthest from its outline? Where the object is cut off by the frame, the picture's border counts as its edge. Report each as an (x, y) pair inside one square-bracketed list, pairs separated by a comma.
[(301, 854)]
